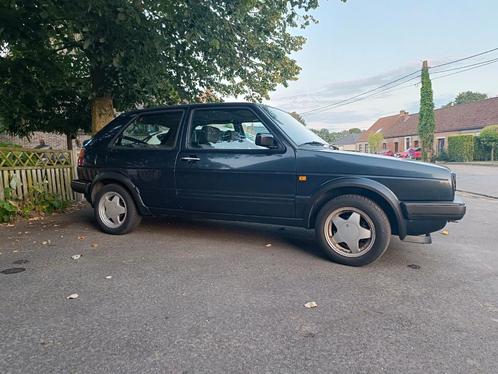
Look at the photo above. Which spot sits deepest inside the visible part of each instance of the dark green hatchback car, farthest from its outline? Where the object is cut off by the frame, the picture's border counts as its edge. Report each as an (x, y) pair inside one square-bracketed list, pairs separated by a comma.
[(251, 162)]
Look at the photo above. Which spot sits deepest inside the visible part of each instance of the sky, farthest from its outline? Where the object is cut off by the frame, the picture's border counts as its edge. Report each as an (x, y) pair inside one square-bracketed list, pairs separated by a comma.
[(362, 44)]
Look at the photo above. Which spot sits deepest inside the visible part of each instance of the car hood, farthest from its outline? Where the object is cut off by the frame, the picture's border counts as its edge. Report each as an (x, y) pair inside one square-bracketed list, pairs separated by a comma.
[(320, 160)]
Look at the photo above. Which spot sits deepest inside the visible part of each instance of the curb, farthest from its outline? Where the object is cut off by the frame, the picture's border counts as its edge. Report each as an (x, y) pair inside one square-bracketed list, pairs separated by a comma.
[(479, 194), (491, 164)]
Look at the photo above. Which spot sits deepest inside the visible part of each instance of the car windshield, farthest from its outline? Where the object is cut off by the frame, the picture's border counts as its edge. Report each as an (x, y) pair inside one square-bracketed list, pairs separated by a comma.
[(294, 129)]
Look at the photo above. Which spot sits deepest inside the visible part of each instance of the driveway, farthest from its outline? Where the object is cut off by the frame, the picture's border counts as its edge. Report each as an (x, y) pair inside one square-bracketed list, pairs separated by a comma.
[(197, 297)]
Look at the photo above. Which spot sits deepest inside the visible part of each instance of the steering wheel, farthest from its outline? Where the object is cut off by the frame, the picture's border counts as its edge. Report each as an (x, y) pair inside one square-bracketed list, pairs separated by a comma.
[(135, 140)]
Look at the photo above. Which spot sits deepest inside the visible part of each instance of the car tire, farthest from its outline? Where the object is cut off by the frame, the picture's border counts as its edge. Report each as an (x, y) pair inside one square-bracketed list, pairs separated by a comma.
[(115, 210), (353, 230)]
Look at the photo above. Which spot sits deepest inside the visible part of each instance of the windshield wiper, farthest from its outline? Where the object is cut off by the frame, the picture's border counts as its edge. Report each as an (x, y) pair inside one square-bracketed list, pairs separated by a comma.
[(315, 143)]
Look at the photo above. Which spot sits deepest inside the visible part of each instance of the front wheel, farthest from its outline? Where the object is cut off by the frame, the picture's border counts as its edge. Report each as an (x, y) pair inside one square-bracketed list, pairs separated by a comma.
[(115, 210), (353, 230)]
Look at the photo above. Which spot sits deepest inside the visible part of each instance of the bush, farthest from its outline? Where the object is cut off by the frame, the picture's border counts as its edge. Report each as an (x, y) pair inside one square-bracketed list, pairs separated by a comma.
[(461, 148), (482, 152), (39, 201), (9, 145), (442, 156), (8, 208)]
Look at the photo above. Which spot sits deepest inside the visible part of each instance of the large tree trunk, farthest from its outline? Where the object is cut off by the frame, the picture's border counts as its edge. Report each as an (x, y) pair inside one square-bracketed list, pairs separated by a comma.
[(102, 112)]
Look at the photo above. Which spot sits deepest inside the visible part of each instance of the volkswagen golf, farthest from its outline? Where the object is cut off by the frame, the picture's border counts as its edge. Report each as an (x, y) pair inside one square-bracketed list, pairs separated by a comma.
[(255, 163)]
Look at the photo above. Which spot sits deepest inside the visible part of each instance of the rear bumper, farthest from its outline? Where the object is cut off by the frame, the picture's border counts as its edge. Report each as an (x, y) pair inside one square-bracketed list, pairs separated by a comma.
[(434, 210), (81, 186)]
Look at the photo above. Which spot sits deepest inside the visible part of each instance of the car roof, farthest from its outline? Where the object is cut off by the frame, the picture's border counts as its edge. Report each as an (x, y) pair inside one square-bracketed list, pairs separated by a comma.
[(193, 105)]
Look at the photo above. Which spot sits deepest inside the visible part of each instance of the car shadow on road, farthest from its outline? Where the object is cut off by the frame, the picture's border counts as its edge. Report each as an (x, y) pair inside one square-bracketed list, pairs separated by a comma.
[(285, 238)]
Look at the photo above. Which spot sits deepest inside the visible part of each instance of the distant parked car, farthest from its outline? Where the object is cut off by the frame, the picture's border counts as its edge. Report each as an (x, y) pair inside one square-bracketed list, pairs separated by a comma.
[(388, 153), (251, 162), (411, 153)]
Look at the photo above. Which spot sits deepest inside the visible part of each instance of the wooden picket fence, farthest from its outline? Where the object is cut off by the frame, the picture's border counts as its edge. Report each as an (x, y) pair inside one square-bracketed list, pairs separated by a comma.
[(21, 169)]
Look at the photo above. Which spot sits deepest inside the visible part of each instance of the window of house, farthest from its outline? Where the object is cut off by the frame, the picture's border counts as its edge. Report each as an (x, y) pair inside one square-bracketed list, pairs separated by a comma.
[(416, 143), (225, 129), (396, 147), (155, 130), (384, 146), (360, 147), (407, 143), (366, 148)]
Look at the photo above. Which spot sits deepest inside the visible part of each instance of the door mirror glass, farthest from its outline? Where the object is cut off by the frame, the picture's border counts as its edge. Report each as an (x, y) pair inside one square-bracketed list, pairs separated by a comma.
[(265, 140)]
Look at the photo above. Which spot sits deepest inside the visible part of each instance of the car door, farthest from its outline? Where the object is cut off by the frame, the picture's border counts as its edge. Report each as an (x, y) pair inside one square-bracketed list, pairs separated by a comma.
[(220, 169), (145, 151)]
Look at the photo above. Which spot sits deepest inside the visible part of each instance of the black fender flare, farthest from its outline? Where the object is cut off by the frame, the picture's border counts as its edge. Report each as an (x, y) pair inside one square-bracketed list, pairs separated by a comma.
[(323, 194), (127, 183)]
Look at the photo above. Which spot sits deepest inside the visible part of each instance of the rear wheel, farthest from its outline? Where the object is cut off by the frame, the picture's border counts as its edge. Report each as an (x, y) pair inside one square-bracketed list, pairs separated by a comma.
[(115, 210), (353, 230)]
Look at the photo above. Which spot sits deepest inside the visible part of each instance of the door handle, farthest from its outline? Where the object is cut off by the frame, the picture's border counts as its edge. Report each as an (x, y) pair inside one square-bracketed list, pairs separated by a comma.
[(190, 158)]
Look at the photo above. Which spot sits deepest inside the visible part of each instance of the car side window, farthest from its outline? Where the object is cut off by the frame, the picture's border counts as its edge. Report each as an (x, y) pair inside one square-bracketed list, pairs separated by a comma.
[(155, 130), (225, 129)]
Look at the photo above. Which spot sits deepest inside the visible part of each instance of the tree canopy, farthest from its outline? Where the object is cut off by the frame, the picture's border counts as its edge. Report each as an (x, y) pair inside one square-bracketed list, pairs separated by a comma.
[(374, 141), (67, 59), (489, 136), (467, 97), (299, 117)]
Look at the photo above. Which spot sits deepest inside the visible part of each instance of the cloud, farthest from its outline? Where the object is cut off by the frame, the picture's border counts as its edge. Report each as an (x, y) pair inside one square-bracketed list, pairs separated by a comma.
[(340, 90)]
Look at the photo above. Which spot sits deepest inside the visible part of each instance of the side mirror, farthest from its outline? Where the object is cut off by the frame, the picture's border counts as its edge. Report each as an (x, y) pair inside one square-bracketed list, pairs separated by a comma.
[(265, 140)]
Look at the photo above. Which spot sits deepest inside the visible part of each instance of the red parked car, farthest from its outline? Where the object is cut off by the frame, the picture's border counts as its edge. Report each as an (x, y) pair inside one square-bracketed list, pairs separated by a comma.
[(411, 153), (388, 153)]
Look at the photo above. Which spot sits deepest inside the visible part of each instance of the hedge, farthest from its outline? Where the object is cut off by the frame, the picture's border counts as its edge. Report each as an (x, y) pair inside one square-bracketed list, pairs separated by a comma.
[(461, 148), (482, 152)]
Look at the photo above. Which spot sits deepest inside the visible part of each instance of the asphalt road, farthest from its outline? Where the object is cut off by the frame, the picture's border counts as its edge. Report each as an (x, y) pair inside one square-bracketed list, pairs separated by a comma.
[(473, 178), (211, 297)]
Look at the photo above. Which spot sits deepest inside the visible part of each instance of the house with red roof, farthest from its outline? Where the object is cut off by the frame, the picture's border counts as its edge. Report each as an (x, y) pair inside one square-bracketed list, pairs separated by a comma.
[(400, 131)]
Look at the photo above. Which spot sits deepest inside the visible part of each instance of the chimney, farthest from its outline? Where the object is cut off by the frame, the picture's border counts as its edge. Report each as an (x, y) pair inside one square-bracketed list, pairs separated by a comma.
[(425, 64), (403, 113)]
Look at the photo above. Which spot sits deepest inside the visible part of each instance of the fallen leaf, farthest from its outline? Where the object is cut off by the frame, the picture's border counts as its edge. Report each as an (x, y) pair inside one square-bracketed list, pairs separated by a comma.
[(444, 232), (15, 251), (310, 304), (75, 257), (94, 245), (108, 277), (44, 242), (10, 225), (73, 296), (268, 245), (26, 232), (81, 237)]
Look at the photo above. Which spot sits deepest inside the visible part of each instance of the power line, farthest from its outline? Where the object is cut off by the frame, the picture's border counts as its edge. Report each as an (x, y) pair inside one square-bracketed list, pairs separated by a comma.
[(363, 93), (461, 69), (362, 96), (465, 66), (466, 58), (464, 70), (388, 89)]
